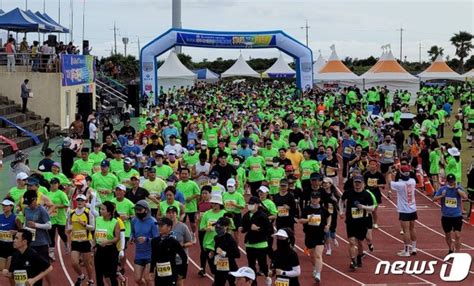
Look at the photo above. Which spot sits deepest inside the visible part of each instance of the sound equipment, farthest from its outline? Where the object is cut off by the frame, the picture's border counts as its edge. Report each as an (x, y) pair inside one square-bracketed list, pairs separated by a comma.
[(52, 42), (134, 97), (84, 108), (85, 47)]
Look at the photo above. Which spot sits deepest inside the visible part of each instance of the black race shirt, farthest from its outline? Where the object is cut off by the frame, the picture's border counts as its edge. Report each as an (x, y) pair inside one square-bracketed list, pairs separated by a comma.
[(30, 261)]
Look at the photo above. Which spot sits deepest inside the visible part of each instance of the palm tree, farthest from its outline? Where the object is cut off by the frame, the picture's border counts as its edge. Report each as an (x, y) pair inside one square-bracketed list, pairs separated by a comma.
[(463, 44), (434, 52)]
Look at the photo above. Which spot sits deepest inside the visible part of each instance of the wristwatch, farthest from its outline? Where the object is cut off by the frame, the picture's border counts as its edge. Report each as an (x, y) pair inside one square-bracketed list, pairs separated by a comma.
[(283, 273)]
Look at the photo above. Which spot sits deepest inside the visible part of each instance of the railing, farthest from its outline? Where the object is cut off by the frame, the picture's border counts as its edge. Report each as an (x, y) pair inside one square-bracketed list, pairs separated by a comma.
[(113, 93), (111, 82), (31, 62), (21, 129)]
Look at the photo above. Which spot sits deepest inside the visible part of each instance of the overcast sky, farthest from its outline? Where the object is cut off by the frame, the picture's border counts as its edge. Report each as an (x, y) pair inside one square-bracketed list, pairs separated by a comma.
[(357, 28)]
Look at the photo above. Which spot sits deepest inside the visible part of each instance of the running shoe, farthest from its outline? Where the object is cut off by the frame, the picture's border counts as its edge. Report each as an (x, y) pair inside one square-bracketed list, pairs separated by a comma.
[(202, 273), (375, 226), (80, 280), (317, 277), (353, 265), (413, 252), (371, 247), (403, 253), (51, 254), (329, 252), (90, 283), (336, 243), (268, 281), (401, 232)]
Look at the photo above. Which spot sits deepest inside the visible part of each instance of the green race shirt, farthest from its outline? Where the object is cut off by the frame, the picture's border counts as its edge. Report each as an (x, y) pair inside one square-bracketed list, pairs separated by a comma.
[(104, 230), (268, 155), (155, 188), (97, 158), (104, 185), (58, 198), (82, 167), (125, 207), (116, 166), (63, 180), (189, 189), (207, 220), (255, 165), (236, 198), (274, 175), (307, 167), (163, 172)]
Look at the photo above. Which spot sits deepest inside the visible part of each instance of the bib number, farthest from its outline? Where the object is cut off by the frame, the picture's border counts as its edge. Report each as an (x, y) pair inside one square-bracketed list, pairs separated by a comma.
[(306, 173), (331, 208), (314, 220), (210, 224), (388, 154), (100, 235), (357, 213), (274, 182), (282, 282), (372, 182), (228, 204), (348, 150), (330, 172), (6, 236), (283, 212), (20, 277), (163, 269), (222, 264), (79, 235), (451, 202), (33, 233)]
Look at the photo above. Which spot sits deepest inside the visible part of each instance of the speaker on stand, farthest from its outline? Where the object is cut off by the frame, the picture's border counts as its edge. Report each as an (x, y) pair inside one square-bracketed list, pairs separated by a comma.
[(85, 47), (84, 108), (134, 97)]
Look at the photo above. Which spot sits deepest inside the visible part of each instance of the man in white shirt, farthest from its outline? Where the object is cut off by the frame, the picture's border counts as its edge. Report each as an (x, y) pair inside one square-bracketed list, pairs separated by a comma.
[(406, 206)]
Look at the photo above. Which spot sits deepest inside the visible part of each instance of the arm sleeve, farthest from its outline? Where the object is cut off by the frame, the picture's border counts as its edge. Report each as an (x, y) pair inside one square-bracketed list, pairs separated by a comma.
[(153, 258), (44, 226)]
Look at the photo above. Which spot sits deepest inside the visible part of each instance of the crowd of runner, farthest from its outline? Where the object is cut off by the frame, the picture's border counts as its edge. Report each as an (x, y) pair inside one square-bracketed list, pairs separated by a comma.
[(218, 162)]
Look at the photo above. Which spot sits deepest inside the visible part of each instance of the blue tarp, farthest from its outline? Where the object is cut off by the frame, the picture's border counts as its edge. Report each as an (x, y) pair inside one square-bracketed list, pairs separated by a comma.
[(18, 21), (51, 21), (205, 74)]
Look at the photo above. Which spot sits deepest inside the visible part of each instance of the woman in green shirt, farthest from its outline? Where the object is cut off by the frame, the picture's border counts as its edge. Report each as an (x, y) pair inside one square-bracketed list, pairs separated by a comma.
[(170, 193), (57, 215), (435, 159)]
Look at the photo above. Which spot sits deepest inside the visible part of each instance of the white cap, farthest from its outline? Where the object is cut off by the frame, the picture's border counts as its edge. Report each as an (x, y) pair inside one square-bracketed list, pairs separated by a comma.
[(21, 176), (81, 197), (204, 142), (454, 151), (231, 182), (7, 202), (244, 272), (263, 189), (281, 233), (121, 187), (216, 199), (160, 152), (172, 152)]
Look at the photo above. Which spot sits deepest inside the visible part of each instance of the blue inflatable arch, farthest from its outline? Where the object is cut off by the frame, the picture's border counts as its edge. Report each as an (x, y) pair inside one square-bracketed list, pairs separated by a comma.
[(228, 40)]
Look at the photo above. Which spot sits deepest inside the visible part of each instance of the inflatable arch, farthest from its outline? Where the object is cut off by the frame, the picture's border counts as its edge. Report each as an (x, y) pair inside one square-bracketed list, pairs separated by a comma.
[(228, 40)]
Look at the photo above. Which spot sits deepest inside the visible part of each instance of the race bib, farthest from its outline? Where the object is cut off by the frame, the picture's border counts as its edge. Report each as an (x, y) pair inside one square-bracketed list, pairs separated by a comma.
[(222, 264), (20, 277), (357, 213), (79, 235), (348, 150), (451, 202), (103, 192), (306, 173), (314, 220), (388, 154), (210, 224), (282, 282), (372, 182), (228, 204), (163, 269), (100, 235), (274, 182), (330, 172), (254, 167), (283, 212), (331, 208), (54, 212), (33, 233), (6, 236)]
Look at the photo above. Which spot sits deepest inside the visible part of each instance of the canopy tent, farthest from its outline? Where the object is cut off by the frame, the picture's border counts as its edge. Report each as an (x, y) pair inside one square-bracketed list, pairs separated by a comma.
[(240, 68), (439, 70), (335, 71), (469, 75), (173, 74), (48, 27), (51, 21), (280, 69), (319, 64), (388, 72), (18, 21), (1, 12), (206, 75)]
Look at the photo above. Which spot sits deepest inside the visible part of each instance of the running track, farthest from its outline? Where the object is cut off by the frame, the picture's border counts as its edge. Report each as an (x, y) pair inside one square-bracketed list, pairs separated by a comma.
[(387, 241)]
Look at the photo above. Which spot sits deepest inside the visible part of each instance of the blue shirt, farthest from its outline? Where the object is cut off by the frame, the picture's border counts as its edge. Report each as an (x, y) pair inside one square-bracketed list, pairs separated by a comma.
[(178, 196), (447, 108), (127, 149), (451, 203), (348, 146), (144, 228), (245, 153), (168, 131), (7, 223)]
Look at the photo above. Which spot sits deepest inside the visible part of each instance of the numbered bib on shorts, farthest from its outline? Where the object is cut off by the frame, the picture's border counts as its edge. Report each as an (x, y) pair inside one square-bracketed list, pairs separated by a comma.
[(348, 150), (372, 182), (100, 235), (451, 202), (357, 213), (283, 212), (330, 172), (79, 235), (6, 236), (20, 277), (222, 264), (163, 269), (33, 233), (282, 282), (314, 220)]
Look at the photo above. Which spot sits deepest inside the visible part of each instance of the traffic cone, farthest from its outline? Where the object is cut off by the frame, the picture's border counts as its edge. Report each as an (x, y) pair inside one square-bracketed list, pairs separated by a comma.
[(428, 187), (471, 217), (420, 181)]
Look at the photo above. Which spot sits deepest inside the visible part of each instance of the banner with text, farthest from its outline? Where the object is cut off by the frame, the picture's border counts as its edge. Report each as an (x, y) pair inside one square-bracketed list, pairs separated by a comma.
[(77, 69), (226, 41)]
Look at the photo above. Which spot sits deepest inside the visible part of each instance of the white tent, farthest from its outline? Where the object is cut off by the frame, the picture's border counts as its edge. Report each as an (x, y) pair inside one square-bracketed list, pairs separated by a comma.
[(469, 75), (319, 64), (173, 74), (280, 69), (335, 71), (439, 70), (240, 68), (388, 72)]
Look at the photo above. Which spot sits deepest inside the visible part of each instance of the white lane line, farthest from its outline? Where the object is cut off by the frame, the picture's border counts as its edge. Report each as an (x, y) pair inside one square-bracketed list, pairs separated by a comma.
[(378, 259), (197, 266), (425, 226), (242, 250), (61, 261), (129, 265)]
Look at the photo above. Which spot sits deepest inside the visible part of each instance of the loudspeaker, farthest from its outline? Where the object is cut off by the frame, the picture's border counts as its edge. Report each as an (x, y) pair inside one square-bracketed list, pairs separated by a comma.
[(85, 47), (52, 40), (134, 97), (84, 108)]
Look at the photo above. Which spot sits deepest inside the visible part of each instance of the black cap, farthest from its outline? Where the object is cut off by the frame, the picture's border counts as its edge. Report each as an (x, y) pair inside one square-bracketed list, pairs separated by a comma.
[(283, 182), (450, 177), (150, 169), (85, 150), (223, 221), (316, 176), (315, 195), (214, 174), (29, 197), (54, 181), (276, 160), (254, 200), (165, 221), (172, 209), (48, 151)]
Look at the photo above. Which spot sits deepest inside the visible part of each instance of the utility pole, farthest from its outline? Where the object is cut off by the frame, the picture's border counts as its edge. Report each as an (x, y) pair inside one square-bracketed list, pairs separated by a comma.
[(71, 30), (401, 42), (44, 6), (83, 20), (115, 38), (59, 18), (419, 53), (26, 4), (306, 27), (139, 48)]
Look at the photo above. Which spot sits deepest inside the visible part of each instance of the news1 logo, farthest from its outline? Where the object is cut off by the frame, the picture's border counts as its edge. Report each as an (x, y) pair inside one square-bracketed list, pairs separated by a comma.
[(459, 268)]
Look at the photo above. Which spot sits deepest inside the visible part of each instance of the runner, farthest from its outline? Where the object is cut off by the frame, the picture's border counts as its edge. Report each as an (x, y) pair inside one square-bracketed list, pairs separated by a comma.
[(245, 276), (286, 205), (191, 192), (164, 250), (9, 224), (330, 196), (225, 253), (451, 197), (285, 264), (234, 203), (375, 182), (80, 225), (203, 206), (406, 206), (316, 221), (58, 216)]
